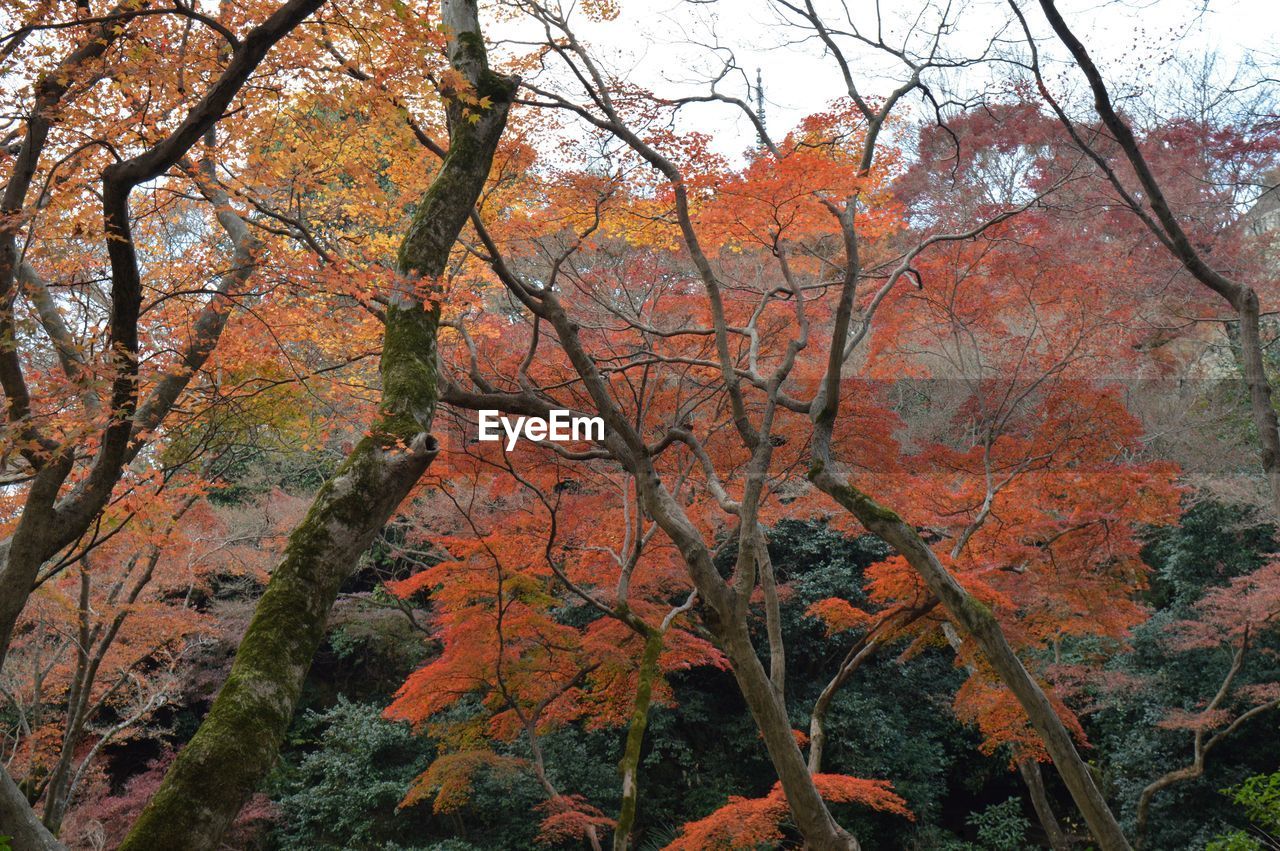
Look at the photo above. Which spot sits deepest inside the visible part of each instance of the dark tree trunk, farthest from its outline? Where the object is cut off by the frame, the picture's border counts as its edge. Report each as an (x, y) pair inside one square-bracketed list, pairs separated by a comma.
[(1155, 211), (1031, 775)]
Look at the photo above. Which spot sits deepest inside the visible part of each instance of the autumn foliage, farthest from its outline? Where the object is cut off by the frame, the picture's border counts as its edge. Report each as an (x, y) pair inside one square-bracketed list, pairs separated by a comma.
[(751, 822), (946, 330)]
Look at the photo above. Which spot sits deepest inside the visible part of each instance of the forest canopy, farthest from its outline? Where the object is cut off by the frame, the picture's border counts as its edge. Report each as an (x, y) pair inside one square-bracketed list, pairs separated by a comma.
[(432, 424)]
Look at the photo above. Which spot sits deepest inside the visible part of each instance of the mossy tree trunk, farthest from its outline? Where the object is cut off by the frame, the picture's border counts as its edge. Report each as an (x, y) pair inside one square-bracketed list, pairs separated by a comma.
[(629, 766), (239, 740)]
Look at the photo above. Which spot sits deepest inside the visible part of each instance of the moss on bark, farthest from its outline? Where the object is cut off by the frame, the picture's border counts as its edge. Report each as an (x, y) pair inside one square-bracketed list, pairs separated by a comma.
[(408, 367), (237, 743), (629, 766)]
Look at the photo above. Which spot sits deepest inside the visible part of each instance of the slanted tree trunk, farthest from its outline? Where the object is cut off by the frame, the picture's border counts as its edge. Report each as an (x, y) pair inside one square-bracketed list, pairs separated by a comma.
[(858, 654), (1155, 211), (1028, 767), (238, 741), (773, 619), (968, 614), (977, 621), (19, 822)]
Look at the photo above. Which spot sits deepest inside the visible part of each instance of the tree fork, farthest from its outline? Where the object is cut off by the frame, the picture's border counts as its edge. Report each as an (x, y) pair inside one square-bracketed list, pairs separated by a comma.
[(820, 830)]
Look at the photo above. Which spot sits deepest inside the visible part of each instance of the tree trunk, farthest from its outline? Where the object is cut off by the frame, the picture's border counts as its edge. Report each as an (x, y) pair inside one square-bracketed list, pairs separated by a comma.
[(1260, 404), (819, 829), (18, 821), (856, 656), (1030, 771), (1162, 222), (629, 767), (980, 624), (47, 523), (57, 790), (236, 745), (238, 741), (773, 619)]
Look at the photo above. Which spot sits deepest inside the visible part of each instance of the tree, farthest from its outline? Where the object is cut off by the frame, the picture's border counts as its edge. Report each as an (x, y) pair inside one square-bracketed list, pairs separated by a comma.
[(1235, 616), (901, 319), (1153, 205), (103, 649), (240, 737), (63, 491), (739, 339)]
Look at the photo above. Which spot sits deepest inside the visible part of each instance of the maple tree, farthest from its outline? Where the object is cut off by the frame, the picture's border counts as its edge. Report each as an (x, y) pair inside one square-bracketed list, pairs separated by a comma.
[(498, 601), (1234, 616), (70, 458), (272, 660), (849, 154), (1167, 210), (105, 644)]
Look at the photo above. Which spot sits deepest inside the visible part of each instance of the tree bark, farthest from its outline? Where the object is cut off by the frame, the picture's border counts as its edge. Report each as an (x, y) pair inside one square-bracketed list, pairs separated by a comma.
[(48, 523), (1158, 215), (239, 739), (820, 830)]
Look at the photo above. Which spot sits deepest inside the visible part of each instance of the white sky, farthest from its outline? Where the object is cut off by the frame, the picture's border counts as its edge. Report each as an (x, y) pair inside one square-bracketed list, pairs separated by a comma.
[(651, 44)]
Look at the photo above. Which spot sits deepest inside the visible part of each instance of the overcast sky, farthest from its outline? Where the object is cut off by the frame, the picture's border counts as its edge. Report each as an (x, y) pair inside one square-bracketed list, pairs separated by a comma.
[(659, 44)]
